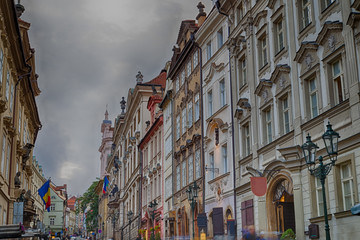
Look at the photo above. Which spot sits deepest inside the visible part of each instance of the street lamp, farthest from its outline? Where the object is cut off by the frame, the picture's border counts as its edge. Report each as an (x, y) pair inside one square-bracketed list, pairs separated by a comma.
[(192, 196), (152, 206), (130, 214), (309, 148)]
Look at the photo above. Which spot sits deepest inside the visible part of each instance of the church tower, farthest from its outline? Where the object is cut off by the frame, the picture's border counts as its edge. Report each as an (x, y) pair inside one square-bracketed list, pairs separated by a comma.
[(106, 143)]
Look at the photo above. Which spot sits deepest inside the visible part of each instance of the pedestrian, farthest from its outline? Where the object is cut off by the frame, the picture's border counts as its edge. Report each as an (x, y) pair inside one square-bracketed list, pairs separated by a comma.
[(250, 234)]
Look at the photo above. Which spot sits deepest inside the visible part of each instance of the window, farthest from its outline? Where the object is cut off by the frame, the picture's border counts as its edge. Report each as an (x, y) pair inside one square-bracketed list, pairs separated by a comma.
[(3, 154), (1, 65), (190, 114), (7, 85), (326, 3), (239, 13), (338, 82), (11, 97), (177, 84), (319, 197), (314, 110), (177, 127), (183, 177), (178, 177), (183, 118), (7, 164), (285, 115), (182, 77), (168, 183), (247, 213), (347, 186), (279, 35), (268, 127), (197, 107), (191, 168), (188, 69), (4, 217), (168, 145), (25, 132), (208, 51), (212, 165), (224, 158), (197, 163), (210, 104), (220, 38), (262, 51), (222, 93), (247, 145), (196, 58), (52, 221), (52, 207), (305, 13), (242, 72)]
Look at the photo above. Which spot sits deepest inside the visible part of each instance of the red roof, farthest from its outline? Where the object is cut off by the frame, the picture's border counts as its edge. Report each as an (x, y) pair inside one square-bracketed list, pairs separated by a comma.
[(159, 80)]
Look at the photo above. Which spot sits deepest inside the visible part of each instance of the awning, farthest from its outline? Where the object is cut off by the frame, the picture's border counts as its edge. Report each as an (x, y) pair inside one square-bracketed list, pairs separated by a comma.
[(11, 231), (355, 210)]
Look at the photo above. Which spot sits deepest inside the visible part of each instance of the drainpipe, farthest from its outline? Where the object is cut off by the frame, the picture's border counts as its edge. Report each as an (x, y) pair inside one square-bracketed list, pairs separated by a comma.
[(202, 125), (218, 5)]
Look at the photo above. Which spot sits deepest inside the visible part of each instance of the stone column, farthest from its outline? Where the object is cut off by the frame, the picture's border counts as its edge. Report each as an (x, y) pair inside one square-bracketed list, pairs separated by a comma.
[(298, 204)]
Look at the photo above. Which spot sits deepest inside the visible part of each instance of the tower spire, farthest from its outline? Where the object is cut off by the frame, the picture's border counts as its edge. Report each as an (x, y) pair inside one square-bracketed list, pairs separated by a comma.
[(106, 113)]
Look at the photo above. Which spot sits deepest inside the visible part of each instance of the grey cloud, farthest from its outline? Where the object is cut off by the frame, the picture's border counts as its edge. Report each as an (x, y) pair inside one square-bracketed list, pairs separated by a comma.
[(87, 55)]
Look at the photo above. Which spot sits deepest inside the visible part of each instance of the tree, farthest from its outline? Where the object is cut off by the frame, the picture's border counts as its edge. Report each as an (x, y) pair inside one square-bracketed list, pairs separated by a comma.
[(90, 199)]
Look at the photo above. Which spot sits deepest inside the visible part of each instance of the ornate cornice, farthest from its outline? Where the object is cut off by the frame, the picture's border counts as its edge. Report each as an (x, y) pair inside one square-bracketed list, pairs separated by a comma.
[(264, 83), (284, 68), (304, 48), (259, 16), (3, 106), (213, 68), (328, 26), (353, 19)]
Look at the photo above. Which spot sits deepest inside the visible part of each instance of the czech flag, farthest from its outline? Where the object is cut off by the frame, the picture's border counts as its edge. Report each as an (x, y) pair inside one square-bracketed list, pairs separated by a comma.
[(44, 193), (106, 184)]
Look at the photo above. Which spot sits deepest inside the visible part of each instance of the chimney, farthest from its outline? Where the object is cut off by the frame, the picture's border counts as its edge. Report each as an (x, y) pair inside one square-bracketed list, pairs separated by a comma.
[(202, 15)]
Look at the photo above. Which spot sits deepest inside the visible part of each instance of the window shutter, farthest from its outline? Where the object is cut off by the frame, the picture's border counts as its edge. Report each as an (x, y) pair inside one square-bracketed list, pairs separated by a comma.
[(247, 213), (218, 221)]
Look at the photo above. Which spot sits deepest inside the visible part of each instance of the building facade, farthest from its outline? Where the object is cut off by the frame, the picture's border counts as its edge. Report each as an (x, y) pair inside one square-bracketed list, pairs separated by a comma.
[(152, 151), (212, 37), (295, 67), (187, 165), (55, 218), (37, 180), (20, 121)]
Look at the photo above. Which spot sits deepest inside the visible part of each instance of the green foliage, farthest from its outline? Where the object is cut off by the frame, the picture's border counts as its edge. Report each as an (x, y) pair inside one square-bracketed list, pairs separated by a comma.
[(288, 235), (90, 199), (157, 236)]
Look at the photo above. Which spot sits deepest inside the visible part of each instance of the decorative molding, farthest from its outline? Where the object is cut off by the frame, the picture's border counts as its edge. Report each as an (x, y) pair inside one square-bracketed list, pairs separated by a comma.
[(239, 113), (304, 48), (353, 19), (259, 16), (3, 106), (212, 70), (264, 83), (328, 27), (284, 68)]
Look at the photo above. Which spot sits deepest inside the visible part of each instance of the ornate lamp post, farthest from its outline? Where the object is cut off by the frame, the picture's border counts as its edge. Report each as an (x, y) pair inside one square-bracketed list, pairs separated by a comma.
[(192, 196), (130, 215), (152, 206), (321, 170)]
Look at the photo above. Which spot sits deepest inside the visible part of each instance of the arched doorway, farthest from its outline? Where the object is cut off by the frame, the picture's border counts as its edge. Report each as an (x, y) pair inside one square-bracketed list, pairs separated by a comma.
[(280, 205)]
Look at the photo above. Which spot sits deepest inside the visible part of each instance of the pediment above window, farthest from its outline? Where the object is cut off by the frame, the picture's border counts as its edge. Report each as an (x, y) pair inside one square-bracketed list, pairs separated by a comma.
[(354, 19), (239, 113), (307, 56), (244, 103), (356, 5), (281, 77), (260, 16), (272, 3), (237, 45), (263, 90), (213, 68), (330, 36)]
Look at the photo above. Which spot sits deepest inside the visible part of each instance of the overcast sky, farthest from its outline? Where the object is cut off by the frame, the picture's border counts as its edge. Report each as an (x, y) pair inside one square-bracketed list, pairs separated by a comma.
[(87, 55)]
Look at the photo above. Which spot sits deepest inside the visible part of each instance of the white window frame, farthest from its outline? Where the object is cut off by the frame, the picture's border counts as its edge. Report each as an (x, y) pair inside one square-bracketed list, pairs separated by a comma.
[(178, 177), (263, 61), (220, 38), (208, 51), (196, 59), (197, 163), (191, 168), (190, 114), (247, 139), (319, 197), (197, 106), (350, 180), (338, 79), (224, 156), (313, 92), (178, 127), (242, 71), (222, 92), (183, 121), (210, 103), (188, 69), (285, 112), (279, 35), (305, 10), (268, 125), (183, 174)]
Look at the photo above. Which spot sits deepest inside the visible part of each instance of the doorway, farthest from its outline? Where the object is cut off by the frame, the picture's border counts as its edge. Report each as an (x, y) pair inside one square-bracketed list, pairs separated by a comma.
[(283, 202)]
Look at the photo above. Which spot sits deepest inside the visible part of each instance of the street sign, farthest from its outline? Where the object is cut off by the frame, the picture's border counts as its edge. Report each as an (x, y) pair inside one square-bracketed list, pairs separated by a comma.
[(202, 220), (18, 212)]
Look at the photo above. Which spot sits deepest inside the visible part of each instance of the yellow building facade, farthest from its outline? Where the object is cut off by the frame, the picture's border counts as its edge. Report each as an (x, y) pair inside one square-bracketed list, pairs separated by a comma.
[(19, 119)]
